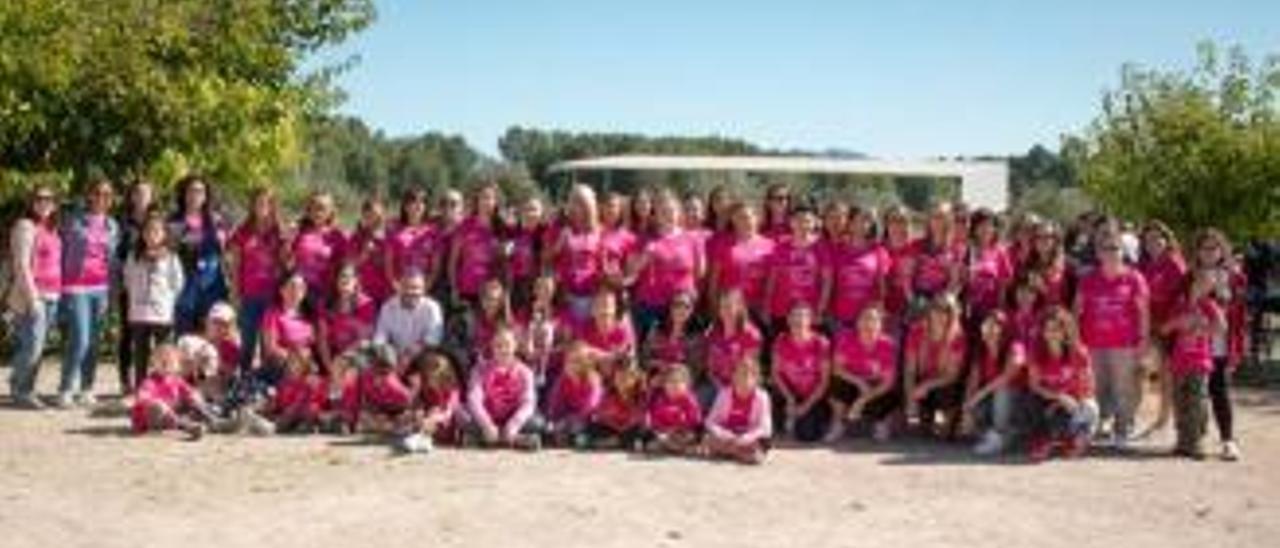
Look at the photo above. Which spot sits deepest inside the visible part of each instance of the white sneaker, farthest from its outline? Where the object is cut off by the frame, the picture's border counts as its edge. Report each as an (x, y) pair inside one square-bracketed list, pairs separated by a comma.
[(66, 400), (1119, 441), (415, 443), (991, 444), (255, 424), (87, 399), (1230, 451)]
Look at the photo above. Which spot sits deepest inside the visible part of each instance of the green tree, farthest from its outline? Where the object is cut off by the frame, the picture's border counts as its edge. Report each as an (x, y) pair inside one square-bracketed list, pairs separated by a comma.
[(158, 87), (1194, 149)]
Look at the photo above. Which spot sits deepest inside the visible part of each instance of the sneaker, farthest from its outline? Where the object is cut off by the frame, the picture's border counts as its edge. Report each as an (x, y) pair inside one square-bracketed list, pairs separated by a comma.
[(882, 431), (1230, 451), (29, 402), (1040, 450), (1119, 441), (66, 400), (414, 443), (529, 442), (87, 399), (836, 433), (990, 444), (255, 424), (581, 441), (194, 431)]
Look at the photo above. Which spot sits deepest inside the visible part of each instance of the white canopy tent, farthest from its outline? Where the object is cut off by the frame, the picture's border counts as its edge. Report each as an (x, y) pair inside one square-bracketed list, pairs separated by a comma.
[(982, 183)]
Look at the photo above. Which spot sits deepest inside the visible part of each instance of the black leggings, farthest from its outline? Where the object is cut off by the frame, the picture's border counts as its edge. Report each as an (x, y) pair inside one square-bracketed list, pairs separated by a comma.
[(143, 338), (1220, 398)]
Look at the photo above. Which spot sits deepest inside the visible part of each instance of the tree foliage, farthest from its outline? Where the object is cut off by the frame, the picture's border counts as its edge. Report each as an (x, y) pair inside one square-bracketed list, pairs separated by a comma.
[(1198, 148), (158, 87)]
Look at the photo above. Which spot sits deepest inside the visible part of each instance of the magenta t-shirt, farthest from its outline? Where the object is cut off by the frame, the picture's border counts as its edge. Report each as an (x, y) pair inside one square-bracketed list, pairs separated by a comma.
[(930, 353), (258, 266), (619, 245), (989, 272), (725, 352), (875, 362), (857, 275), (1164, 276), (574, 397), (524, 257), (477, 250), (1109, 311), (1193, 348), (504, 391), (580, 261), (614, 340), (797, 271), (412, 248), (369, 251), (672, 268), (933, 268), (94, 273), (799, 363), (743, 265), (347, 328), (680, 413), (317, 252), (46, 261), (292, 330)]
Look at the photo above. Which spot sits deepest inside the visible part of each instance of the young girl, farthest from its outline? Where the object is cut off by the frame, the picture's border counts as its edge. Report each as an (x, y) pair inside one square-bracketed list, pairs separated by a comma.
[(1192, 325), (1213, 252), (673, 341), (544, 331), (347, 319), (996, 391), (674, 418), (502, 399), (1061, 377), (865, 376), (608, 333), (493, 311), (413, 242), (619, 419), (154, 277), (221, 342), (801, 370), (618, 242), (526, 244), (797, 272), (574, 398), (859, 269), (367, 250), (299, 398), (740, 423), (165, 401), (438, 415), (256, 250), (933, 365), (731, 339), (317, 248)]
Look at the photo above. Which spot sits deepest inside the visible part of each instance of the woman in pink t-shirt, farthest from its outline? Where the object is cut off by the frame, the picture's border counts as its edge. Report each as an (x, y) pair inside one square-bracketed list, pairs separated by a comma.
[(523, 262), (731, 339), (801, 373), (740, 259), (1047, 259), (932, 367), (939, 262), (317, 248), (864, 376), (776, 222), (287, 331), (367, 250), (35, 253), (860, 269), (347, 320), (1112, 307), (798, 271), (902, 251), (474, 250), (671, 262), (413, 242), (990, 269), (256, 252), (1060, 376), (618, 242), (672, 341), (640, 217), (996, 395), (578, 255)]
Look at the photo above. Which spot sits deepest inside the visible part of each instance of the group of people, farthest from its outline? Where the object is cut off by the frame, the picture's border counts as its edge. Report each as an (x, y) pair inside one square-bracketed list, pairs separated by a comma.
[(681, 324)]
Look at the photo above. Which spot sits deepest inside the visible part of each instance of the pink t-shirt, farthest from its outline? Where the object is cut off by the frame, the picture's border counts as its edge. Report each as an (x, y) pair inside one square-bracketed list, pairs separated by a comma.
[(740, 417), (1164, 276), (299, 394), (619, 413), (316, 253), (292, 330), (991, 365), (477, 250), (1067, 374), (902, 264), (672, 268), (618, 339), (258, 265), (368, 249), (523, 263), (874, 362), (412, 248), (797, 271), (386, 392), (504, 391), (170, 390), (725, 352), (619, 245), (228, 355), (580, 262), (1109, 311), (668, 414), (347, 328), (930, 354), (857, 277), (1193, 348), (990, 271), (94, 274), (799, 364), (574, 397), (743, 264), (46, 261), (934, 267)]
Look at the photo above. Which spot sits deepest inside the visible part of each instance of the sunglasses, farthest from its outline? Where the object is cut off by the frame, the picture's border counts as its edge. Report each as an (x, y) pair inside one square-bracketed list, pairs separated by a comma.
[(44, 198)]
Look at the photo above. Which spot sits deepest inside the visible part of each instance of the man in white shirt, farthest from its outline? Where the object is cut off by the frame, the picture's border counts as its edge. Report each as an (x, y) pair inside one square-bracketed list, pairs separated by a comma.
[(411, 321)]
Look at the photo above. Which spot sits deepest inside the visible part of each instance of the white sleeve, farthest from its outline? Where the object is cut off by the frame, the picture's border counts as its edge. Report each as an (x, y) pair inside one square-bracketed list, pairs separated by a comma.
[(435, 325)]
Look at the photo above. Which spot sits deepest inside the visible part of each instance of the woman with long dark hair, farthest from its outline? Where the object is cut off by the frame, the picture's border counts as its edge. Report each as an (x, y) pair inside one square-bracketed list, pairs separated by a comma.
[(197, 232), (89, 239), (35, 253)]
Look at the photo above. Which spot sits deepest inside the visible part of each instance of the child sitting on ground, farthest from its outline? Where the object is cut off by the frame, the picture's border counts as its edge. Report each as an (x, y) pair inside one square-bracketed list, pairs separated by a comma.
[(299, 399), (437, 416), (674, 418), (165, 401), (574, 398), (741, 421), (502, 397), (619, 419)]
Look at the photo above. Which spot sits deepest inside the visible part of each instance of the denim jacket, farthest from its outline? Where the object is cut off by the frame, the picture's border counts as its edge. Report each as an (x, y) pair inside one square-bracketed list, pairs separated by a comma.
[(75, 242)]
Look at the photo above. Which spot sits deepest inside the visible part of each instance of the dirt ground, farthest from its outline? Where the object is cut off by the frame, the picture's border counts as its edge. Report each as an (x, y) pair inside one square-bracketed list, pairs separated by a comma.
[(72, 478)]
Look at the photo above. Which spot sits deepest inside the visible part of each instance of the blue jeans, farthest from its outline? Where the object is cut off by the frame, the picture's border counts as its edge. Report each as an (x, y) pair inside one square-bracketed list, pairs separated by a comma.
[(251, 313), (32, 330), (86, 316)]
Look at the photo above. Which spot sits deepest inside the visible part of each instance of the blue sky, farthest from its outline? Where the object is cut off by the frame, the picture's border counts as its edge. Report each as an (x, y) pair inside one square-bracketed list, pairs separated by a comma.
[(904, 78)]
